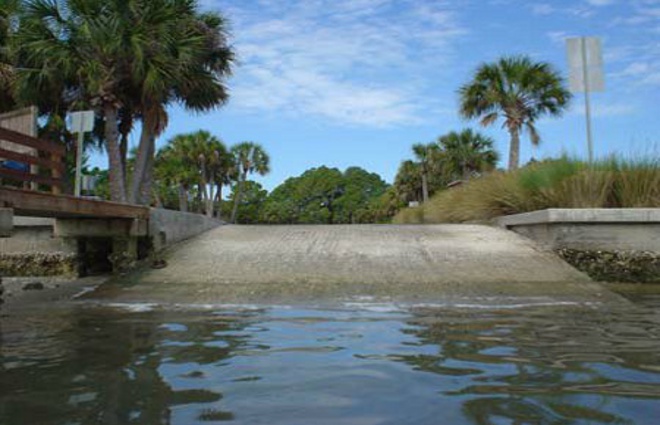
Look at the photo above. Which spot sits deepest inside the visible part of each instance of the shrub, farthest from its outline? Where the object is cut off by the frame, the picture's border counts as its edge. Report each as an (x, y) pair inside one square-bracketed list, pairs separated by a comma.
[(560, 183)]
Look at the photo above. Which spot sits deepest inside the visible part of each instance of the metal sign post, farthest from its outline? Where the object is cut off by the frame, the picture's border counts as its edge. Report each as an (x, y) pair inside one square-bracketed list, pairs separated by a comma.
[(585, 60), (81, 122)]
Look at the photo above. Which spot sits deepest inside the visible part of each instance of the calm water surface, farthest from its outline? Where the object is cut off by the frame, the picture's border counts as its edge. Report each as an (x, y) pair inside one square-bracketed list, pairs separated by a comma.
[(356, 363)]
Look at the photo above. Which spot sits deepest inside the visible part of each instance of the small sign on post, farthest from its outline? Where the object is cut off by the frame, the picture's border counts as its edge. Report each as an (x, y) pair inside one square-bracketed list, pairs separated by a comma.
[(585, 61), (81, 122)]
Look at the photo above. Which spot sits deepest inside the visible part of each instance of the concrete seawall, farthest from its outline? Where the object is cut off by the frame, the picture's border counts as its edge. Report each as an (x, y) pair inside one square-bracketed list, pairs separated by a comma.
[(45, 246), (609, 244)]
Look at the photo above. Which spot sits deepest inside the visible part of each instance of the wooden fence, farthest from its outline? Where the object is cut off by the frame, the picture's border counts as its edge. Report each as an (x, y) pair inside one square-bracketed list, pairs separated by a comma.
[(45, 168)]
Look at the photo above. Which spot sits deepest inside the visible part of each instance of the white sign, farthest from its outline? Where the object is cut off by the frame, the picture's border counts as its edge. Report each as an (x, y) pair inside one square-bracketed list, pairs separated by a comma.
[(82, 121), (585, 63)]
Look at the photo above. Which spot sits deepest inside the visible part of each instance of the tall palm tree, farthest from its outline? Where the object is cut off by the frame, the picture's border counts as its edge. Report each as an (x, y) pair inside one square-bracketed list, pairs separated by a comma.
[(250, 158), (188, 66), (518, 90), (467, 152), (425, 154), (81, 42)]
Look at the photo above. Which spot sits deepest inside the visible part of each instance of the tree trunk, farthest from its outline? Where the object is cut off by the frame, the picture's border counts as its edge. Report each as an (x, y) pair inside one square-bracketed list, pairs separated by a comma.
[(209, 199), (183, 198), (219, 200), (514, 149), (425, 187), (145, 193), (123, 148), (141, 164), (239, 194), (116, 172)]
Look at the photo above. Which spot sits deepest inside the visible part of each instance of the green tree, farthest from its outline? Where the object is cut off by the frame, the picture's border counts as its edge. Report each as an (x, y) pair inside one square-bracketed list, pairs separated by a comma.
[(325, 195), (518, 90), (359, 188), (252, 201), (8, 14), (408, 182), (467, 152), (249, 158), (426, 155)]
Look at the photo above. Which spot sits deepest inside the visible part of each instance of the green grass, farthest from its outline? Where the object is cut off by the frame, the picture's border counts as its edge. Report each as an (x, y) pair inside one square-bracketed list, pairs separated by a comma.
[(560, 183)]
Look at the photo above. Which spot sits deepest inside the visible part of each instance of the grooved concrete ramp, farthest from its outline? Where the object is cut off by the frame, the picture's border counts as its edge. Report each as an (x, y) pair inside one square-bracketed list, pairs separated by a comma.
[(242, 262)]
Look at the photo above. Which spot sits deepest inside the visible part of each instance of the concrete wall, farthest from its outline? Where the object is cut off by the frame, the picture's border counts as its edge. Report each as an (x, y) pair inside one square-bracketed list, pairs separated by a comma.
[(168, 227), (633, 229), (30, 234), (35, 235)]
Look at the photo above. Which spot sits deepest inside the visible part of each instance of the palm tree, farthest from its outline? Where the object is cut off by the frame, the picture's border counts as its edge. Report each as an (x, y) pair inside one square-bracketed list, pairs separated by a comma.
[(250, 158), (518, 90), (207, 157), (80, 42), (188, 66), (408, 181), (173, 169), (468, 152), (426, 155)]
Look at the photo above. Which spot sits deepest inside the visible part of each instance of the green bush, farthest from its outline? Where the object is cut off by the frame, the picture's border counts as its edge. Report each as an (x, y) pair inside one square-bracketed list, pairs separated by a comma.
[(560, 183)]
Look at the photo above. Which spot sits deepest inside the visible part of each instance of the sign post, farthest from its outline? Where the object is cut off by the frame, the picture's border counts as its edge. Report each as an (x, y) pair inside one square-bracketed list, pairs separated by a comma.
[(585, 61), (81, 122)]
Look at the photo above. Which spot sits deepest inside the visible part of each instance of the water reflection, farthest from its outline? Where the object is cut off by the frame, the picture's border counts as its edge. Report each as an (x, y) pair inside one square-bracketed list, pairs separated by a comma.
[(103, 366), (90, 365)]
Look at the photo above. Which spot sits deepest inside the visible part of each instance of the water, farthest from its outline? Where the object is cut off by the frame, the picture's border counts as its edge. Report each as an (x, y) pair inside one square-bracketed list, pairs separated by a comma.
[(357, 363)]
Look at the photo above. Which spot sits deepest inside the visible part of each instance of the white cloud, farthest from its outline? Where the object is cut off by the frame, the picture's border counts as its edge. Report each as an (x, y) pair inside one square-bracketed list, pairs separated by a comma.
[(358, 62)]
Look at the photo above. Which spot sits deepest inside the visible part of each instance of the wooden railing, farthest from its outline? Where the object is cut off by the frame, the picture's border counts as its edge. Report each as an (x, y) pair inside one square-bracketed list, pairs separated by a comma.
[(49, 157)]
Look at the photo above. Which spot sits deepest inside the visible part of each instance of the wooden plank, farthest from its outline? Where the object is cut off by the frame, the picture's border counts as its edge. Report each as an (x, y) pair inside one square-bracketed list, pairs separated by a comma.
[(26, 176), (29, 159), (42, 204), (25, 140)]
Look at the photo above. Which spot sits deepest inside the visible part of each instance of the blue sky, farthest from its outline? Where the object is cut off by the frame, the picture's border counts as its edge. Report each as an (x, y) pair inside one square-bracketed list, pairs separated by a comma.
[(357, 82)]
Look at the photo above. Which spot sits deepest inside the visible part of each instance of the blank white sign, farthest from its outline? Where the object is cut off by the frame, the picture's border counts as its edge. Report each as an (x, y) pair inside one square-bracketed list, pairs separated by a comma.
[(82, 121), (585, 52)]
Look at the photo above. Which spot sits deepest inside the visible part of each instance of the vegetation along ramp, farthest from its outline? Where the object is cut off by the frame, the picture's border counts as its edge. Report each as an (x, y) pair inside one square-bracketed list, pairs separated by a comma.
[(416, 262)]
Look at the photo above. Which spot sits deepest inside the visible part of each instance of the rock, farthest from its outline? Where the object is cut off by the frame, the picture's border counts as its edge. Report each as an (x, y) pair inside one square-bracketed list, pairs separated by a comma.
[(158, 264), (33, 286)]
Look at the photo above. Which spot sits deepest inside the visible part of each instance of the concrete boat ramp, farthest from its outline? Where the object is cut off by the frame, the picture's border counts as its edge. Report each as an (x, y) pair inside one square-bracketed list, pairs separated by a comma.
[(409, 262)]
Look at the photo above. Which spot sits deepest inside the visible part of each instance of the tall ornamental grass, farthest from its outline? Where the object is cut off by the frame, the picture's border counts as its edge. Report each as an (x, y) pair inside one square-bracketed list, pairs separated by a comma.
[(560, 183)]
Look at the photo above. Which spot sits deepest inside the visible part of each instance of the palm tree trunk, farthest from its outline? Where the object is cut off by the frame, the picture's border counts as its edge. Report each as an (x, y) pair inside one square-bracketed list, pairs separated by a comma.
[(514, 149), (123, 148), (117, 183), (239, 194), (425, 187), (219, 200), (209, 199), (141, 164), (144, 196), (183, 198)]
